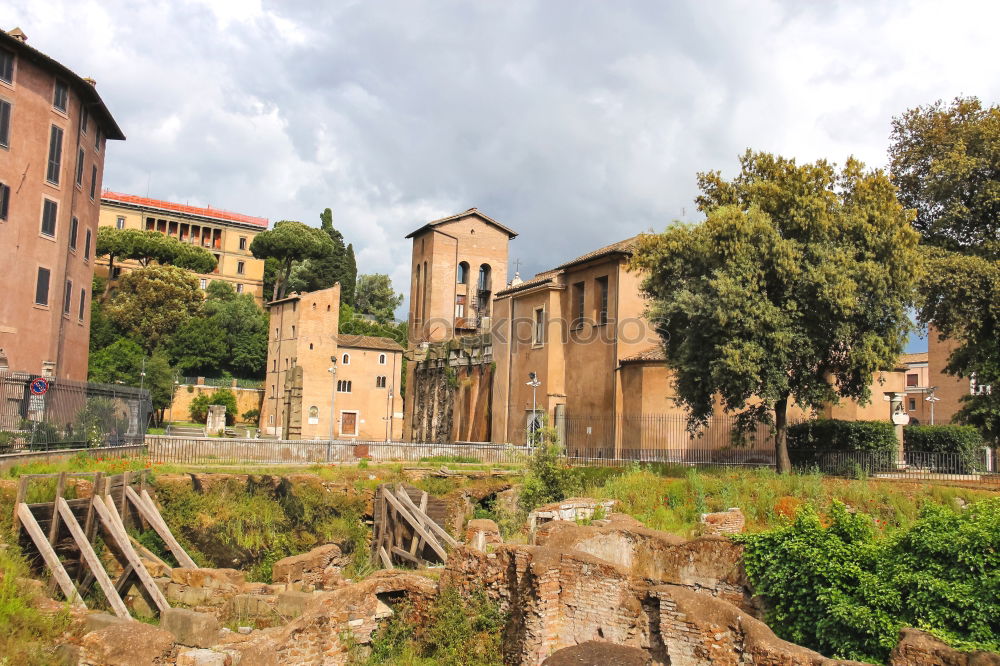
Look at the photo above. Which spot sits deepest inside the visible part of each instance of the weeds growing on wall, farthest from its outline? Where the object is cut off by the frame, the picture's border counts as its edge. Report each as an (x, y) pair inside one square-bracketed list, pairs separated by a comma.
[(457, 632), (27, 635), (846, 588), (253, 524)]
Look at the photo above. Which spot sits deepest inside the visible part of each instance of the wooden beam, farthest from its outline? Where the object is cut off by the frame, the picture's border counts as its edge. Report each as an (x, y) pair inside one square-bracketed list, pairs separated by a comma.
[(434, 527), (48, 555), (54, 524), (125, 580), (428, 537), (123, 511), (91, 558), (417, 543), (147, 553), (108, 514), (385, 558), (88, 525), (147, 509), (22, 493), (406, 556)]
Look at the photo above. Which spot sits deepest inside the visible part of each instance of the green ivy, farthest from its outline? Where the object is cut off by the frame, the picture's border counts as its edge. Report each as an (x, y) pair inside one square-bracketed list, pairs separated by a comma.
[(846, 589)]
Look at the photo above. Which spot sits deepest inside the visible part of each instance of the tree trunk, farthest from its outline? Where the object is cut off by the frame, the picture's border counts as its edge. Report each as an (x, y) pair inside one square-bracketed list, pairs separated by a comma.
[(111, 274), (784, 463)]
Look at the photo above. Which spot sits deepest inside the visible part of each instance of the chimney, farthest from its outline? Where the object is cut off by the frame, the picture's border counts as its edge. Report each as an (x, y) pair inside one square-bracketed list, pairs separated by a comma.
[(18, 34)]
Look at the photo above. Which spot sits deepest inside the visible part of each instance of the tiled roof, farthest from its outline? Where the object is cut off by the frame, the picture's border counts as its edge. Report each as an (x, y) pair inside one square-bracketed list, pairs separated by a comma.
[(83, 87), (212, 213), (621, 247), (654, 353), (472, 211), (368, 342), (919, 357), (540, 279)]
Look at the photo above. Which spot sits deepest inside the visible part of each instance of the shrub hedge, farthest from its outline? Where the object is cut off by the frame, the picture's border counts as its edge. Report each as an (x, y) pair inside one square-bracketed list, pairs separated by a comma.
[(964, 441), (838, 435)]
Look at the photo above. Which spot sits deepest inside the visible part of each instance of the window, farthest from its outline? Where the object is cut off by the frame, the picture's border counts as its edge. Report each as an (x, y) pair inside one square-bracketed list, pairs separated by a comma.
[(42, 287), (293, 330), (346, 359), (381, 359), (68, 297), (343, 386), (120, 222), (55, 155), (203, 283), (49, 211), (911, 380), (93, 181), (74, 228), (463, 273), (380, 382), (239, 267), (60, 96), (274, 365), (602, 300), (275, 332), (4, 124), (239, 288), (243, 242), (579, 292), (84, 120), (484, 278), (539, 326), (4, 200), (97, 139), (83, 300), (6, 66), (460, 307), (913, 404), (86, 247), (79, 167)]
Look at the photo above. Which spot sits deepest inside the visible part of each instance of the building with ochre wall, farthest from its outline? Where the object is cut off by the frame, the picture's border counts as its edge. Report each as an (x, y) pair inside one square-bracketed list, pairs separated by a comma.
[(301, 392), (225, 234), (54, 130)]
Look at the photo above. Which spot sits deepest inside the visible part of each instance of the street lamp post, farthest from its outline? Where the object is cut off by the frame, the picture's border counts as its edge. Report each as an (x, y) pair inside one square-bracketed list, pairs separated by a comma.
[(333, 397), (534, 384), (932, 399)]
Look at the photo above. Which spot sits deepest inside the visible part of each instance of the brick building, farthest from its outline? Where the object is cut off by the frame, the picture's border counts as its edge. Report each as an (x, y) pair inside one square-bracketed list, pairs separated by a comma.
[(949, 388), (54, 129), (301, 392), (226, 235)]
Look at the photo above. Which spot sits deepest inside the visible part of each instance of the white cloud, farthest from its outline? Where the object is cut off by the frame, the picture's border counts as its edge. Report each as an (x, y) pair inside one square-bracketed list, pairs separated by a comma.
[(576, 122)]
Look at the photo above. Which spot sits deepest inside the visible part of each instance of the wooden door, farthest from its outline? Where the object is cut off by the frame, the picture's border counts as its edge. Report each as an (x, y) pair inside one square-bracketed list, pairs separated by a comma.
[(349, 423)]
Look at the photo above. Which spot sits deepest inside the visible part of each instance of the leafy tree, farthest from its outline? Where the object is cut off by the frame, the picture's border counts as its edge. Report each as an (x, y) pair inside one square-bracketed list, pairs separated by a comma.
[(795, 287), (375, 296), (200, 404), (322, 272), (351, 324), (244, 327), (198, 347), (120, 361), (148, 246), (946, 163), (152, 302), (287, 243), (945, 160)]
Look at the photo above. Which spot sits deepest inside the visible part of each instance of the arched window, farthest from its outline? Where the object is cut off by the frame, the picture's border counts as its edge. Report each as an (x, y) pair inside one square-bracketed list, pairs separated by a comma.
[(380, 382), (416, 295), (463, 273), (381, 359), (484, 278), (343, 386), (346, 360)]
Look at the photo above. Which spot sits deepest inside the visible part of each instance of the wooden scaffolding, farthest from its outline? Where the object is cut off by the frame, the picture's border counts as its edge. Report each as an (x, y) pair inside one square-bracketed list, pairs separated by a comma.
[(404, 530), (61, 533)]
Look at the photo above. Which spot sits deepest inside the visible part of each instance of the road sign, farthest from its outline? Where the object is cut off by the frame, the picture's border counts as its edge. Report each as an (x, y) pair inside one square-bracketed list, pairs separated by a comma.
[(39, 385)]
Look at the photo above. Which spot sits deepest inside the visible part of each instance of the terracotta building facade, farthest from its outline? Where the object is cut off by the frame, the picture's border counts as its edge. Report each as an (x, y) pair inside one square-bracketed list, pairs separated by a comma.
[(317, 377), (54, 130), (225, 234)]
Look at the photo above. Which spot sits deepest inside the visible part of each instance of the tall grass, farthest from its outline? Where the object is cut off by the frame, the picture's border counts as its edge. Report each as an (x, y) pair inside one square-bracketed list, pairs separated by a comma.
[(673, 500), (27, 635)]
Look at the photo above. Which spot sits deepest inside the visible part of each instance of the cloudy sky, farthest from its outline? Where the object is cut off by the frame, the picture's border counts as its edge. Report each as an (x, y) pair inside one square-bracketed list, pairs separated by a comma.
[(577, 123)]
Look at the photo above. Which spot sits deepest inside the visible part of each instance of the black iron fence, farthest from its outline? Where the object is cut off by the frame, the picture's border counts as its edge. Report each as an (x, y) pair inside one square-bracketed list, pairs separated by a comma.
[(964, 466), (65, 414)]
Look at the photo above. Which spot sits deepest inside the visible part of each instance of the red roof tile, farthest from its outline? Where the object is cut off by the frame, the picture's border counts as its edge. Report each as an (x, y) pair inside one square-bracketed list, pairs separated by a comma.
[(213, 213)]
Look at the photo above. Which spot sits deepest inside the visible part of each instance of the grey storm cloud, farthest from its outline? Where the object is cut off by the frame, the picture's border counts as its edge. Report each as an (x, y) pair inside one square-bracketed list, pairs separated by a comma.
[(577, 123)]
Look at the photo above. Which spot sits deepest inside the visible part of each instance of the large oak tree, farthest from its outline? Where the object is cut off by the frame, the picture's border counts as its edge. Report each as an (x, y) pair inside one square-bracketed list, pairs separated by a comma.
[(794, 288)]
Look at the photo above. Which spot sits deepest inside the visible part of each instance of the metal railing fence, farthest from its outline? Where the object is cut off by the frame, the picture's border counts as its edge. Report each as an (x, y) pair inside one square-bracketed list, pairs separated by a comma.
[(913, 465), (69, 414)]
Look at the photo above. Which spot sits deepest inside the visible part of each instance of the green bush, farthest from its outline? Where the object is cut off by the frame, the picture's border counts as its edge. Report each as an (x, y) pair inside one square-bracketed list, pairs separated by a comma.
[(846, 590), (964, 441), (199, 406), (547, 478), (250, 416), (826, 444)]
